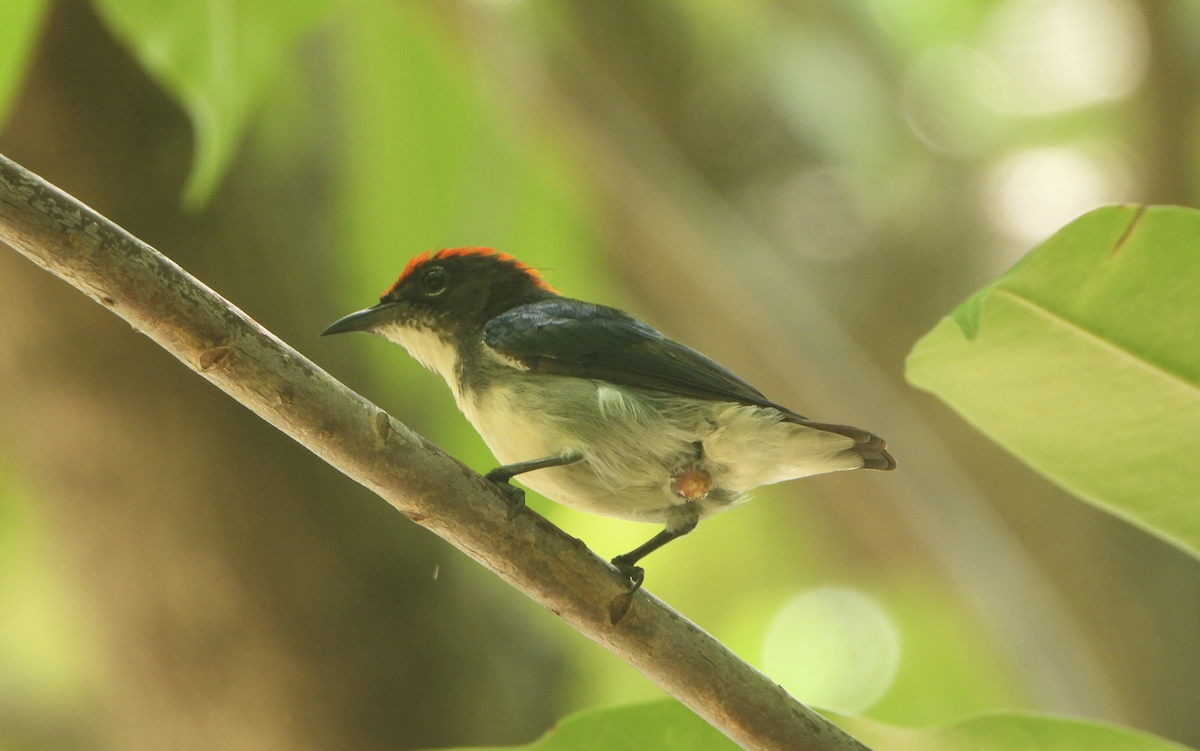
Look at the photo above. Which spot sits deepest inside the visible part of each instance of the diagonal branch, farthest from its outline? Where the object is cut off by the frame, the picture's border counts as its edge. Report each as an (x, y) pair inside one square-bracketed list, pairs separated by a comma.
[(246, 361)]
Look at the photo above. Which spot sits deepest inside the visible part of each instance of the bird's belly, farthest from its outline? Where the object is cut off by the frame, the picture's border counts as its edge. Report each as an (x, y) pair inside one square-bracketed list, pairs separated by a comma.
[(630, 453), (635, 447)]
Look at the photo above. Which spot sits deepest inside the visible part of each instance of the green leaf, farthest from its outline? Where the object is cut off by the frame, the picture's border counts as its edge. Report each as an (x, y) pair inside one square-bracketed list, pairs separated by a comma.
[(1006, 731), (216, 57), (655, 726), (1084, 362), (20, 21), (669, 726)]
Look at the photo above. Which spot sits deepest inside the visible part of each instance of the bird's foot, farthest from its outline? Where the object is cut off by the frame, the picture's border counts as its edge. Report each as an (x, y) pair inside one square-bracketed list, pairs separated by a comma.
[(636, 574), (515, 496)]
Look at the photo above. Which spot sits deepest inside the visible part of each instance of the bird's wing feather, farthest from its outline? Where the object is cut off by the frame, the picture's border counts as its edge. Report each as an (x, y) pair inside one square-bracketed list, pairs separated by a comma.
[(572, 338), (567, 337)]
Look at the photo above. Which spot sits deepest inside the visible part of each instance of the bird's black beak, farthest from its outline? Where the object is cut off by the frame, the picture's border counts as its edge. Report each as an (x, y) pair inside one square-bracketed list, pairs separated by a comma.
[(363, 320)]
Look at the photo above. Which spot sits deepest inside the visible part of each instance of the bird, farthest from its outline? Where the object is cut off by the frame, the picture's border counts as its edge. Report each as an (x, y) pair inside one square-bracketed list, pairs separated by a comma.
[(593, 408)]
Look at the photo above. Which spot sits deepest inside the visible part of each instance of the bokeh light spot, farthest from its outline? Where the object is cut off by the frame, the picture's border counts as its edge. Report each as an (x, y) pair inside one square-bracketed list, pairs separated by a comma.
[(833, 647)]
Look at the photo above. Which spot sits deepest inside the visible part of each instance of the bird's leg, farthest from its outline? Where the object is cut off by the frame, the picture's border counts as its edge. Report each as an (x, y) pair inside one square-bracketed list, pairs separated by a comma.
[(516, 497), (681, 520)]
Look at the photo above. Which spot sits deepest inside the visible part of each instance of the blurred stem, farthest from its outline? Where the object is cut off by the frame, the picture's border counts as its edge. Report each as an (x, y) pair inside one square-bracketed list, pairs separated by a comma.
[(247, 362), (1170, 96)]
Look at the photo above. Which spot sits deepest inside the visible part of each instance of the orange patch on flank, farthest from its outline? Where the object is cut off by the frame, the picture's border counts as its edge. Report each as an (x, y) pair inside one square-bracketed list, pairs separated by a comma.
[(693, 485), (423, 258)]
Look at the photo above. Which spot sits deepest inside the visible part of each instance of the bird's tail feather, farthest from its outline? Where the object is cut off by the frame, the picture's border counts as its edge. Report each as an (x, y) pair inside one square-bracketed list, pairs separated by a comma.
[(869, 446)]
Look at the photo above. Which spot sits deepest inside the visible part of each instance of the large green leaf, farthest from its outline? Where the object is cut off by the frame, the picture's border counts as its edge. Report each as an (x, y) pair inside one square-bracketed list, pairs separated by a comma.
[(1084, 361), (215, 57), (19, 24), (669, 726)]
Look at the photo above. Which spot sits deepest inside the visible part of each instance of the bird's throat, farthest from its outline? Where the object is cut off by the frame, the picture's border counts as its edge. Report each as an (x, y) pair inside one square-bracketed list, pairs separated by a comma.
[(426, 347)]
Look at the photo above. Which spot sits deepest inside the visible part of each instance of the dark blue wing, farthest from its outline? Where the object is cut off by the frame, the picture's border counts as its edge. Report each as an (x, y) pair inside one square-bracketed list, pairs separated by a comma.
[(573, 338)]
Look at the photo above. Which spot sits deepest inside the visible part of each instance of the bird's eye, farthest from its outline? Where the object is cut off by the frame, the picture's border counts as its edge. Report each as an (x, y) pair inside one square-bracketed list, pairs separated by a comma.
[(434, 281)]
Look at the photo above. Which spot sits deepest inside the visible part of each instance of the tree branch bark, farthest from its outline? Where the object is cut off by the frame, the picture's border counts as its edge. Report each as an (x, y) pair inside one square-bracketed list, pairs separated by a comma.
[(240, 357)]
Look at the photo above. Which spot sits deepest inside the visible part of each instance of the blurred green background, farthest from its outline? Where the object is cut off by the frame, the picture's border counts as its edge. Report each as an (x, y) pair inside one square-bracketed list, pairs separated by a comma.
[(798, 188)]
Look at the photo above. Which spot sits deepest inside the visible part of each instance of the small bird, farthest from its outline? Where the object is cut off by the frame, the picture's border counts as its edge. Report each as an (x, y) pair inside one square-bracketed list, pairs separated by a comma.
[(593, 408)]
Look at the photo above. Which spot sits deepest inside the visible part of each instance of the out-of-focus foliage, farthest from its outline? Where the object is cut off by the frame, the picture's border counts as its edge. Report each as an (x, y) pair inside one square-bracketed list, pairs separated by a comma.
[(668, 726), (19, 24), (217, 58), (655, 726), (1004, 731), (1084, 361), (47, 657)]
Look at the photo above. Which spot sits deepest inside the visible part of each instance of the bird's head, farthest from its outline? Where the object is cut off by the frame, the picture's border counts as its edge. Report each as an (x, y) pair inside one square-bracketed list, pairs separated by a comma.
[(451, 293)]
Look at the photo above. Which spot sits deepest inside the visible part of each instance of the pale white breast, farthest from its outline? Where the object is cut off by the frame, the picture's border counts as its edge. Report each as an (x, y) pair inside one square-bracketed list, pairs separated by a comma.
[(506, 428)]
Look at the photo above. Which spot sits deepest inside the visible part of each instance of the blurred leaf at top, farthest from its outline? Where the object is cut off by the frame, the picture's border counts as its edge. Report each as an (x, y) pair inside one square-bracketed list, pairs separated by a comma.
[(216, 57), (19, 24), (1084, 361)]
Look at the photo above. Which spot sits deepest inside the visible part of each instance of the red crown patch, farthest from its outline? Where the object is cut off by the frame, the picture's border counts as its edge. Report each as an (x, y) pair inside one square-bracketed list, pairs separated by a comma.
[(423, 258)]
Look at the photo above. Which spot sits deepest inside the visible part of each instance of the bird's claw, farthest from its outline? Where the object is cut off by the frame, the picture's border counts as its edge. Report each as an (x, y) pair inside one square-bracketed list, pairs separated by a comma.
[(636, 574), (516, 501), (515, 496)]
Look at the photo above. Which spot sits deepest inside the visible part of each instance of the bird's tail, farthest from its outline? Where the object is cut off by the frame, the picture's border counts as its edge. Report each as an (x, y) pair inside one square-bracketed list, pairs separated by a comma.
[(869, 446)]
